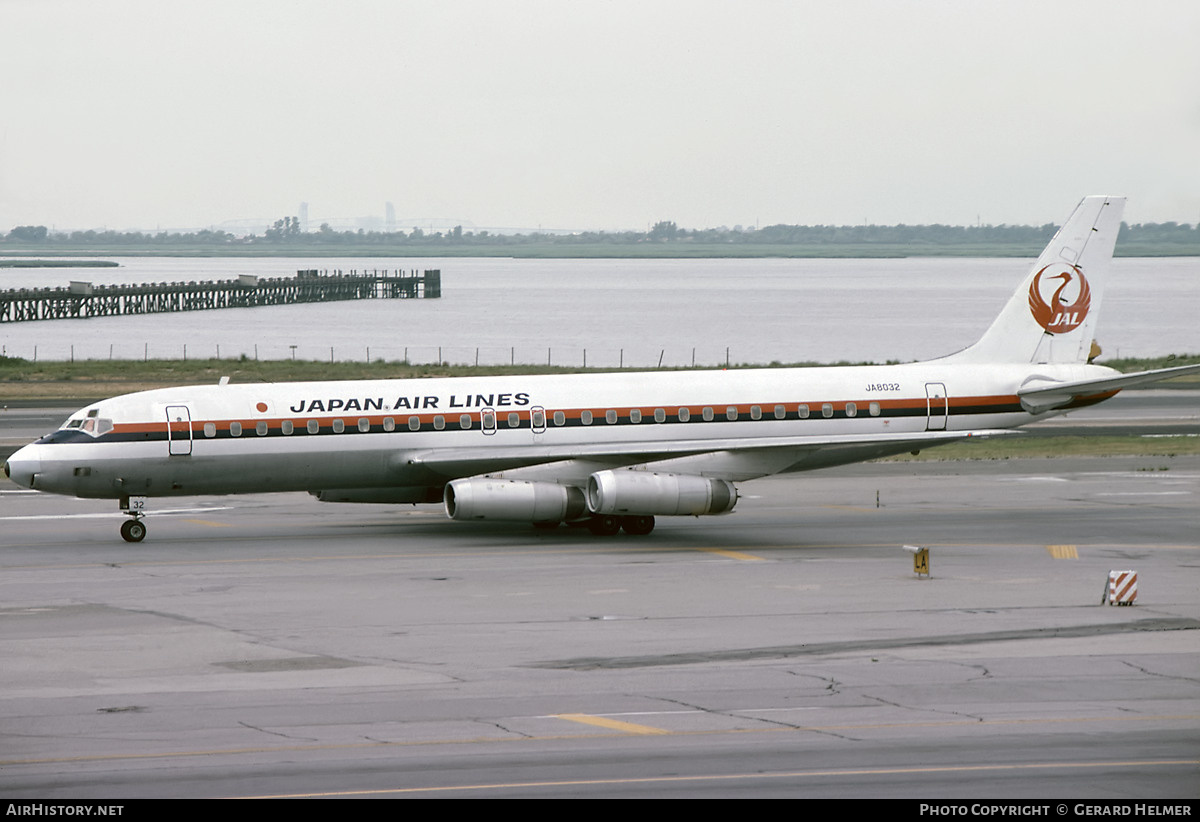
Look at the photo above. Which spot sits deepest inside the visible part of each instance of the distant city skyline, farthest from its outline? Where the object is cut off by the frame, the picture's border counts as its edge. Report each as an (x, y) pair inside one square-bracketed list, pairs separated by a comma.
[(380, 223), (609, 116)]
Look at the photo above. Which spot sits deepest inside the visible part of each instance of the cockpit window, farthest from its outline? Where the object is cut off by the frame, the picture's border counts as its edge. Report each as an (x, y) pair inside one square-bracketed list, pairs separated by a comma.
[(92, 425)]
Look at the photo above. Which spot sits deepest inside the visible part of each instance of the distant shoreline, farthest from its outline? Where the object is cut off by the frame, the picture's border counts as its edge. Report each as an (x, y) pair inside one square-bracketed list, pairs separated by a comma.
[(39, 263), (597, 251)]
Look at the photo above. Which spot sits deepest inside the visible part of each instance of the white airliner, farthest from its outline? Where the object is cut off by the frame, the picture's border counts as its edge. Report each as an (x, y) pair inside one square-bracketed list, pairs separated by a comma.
[(610, 450)]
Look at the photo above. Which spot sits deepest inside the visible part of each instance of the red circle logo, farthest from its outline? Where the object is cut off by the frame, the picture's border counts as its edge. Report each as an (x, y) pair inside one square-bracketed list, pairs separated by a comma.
[(262, 407)]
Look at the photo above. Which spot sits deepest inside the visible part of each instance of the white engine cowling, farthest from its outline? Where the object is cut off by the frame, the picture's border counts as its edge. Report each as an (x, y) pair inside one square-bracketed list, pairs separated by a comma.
[(513, 501), (644, 492)]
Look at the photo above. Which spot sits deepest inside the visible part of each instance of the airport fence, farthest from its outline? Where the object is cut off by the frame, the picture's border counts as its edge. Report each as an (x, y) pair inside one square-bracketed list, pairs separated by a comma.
[(564, 356)]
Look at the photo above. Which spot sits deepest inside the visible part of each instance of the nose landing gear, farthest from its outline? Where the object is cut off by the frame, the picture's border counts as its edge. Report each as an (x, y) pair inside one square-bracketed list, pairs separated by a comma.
[(133, 530)]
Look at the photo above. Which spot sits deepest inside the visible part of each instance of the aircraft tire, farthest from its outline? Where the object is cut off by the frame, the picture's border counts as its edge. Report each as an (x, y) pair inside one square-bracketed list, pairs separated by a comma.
[(637, 526), (604, 525), (133, 531)]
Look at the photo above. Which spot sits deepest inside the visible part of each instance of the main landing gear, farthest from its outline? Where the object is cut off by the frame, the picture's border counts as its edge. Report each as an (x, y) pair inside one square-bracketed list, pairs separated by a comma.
[(607, 525), (133, 530)]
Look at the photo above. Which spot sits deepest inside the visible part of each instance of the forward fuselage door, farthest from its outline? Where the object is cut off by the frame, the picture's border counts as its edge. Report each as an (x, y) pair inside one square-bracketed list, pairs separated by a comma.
[(937, 404), (179, 431)]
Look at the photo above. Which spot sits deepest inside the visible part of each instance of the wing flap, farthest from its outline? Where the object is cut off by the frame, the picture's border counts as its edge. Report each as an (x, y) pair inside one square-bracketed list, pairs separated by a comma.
[(464, 462)]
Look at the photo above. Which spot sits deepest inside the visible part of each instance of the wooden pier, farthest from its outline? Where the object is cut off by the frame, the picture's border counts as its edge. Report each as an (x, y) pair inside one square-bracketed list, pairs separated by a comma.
[(83, 300)]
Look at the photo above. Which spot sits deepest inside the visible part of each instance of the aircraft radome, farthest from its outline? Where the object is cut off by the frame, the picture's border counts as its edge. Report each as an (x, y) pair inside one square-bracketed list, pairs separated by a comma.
[(612, 450)]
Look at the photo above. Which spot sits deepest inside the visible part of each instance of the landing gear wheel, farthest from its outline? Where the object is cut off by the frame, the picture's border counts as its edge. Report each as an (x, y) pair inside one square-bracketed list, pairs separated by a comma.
[(637, 526), (133, 530), (603, 525)]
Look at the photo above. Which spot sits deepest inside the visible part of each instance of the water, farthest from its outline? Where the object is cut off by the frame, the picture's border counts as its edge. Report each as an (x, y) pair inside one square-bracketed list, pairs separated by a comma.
[(613, 312)]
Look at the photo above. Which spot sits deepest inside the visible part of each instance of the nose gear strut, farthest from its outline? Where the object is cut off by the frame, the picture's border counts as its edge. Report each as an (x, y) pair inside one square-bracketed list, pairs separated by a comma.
[(133, 530)]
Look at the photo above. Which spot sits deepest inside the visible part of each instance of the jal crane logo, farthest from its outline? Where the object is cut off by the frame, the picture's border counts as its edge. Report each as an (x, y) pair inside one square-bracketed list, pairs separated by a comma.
[(1068, 305)]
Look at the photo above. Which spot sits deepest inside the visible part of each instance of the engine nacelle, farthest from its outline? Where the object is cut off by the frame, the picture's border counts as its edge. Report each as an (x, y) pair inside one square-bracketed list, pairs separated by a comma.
[(513, 501), (643, 492)]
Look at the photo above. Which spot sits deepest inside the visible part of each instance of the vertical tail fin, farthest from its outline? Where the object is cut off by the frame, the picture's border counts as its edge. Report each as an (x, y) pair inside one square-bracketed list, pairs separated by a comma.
[(1051, 317)]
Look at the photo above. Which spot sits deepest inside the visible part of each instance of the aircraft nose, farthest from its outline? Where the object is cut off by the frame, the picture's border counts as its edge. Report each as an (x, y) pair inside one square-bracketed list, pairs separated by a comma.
[(23, 466)]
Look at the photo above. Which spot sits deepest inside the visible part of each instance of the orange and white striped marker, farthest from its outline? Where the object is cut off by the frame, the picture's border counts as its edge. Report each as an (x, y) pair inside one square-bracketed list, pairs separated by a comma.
[(1122, 587)]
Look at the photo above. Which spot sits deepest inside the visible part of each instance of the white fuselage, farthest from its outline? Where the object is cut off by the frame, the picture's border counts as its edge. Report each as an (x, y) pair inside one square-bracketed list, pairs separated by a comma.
[(419, 434)]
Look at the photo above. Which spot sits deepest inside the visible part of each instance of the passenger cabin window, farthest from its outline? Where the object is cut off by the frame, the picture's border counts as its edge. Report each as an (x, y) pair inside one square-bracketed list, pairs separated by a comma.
[(874, 409), (414, 423), (560, 418), (313, 427), (707, 414), (464, 421), (802, 411), (389, 424), (585, 417), (780, 412), (851, 409), (235, 429), (537, 418), (260, 428), (339, 426), (635, 415), (439, 422), (610, 416), (755, 412), (364, 424), (660, 415), (827, 410), (514, 419), (210, 429), (287, 426), (684, 414)]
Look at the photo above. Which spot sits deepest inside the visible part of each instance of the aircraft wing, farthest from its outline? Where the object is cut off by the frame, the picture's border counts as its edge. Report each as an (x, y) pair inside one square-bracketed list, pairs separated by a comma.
[(819, 451), (1047, 396)]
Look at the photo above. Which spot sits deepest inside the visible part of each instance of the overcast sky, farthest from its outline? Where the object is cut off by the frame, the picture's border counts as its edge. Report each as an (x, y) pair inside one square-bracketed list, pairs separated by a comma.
[(595, 115)]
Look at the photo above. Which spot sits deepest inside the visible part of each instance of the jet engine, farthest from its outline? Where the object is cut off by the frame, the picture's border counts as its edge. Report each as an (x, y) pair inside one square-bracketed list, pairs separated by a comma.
[(643, 492), (513, 500)]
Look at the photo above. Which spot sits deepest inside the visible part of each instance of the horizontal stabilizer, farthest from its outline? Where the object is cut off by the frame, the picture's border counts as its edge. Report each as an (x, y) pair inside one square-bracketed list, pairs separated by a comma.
[(1042, 396)]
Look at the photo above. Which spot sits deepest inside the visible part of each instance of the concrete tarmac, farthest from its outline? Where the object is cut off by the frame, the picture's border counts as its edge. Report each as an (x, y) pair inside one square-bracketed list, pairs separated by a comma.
[(272, 645)]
